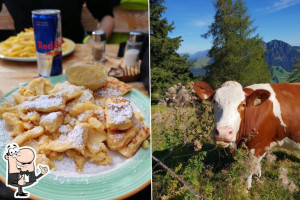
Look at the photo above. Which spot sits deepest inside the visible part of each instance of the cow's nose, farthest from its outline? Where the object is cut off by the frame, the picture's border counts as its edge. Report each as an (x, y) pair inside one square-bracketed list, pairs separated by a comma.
[(224, 133)]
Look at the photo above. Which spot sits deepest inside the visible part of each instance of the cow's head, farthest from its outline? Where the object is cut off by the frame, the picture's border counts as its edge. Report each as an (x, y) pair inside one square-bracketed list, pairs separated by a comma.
[(229, 103)]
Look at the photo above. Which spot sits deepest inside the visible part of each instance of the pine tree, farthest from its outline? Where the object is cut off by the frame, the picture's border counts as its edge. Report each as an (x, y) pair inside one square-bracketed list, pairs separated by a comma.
[(295, 75), (167, 66), (237, 53)]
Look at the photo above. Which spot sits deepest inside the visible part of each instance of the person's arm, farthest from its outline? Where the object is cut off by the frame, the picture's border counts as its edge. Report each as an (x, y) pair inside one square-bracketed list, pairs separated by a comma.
[(107, 24), (44, 170), (39, 176), (103, 11)]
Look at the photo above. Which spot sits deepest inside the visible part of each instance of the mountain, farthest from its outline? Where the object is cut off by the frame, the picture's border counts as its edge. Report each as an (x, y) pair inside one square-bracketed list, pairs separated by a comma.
[(279, 53), (199, 54), (280, 57), (195, 56), (182, 54), (298, 48)]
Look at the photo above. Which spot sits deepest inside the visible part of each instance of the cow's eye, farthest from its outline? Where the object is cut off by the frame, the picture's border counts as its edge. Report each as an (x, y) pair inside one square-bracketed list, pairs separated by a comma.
[(244, 104)]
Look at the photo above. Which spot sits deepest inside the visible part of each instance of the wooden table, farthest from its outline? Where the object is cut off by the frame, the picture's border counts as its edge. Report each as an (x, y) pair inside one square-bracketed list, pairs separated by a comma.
[(12, 73)]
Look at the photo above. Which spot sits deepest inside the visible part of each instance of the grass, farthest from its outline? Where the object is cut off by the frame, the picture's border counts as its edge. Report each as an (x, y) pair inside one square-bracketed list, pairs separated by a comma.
[(202, 62), (155, 108), (279, 74), (211, 171), (199, 64)]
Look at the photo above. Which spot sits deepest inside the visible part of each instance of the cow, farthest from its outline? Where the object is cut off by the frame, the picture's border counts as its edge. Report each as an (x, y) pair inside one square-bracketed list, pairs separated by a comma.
[(261, 116)]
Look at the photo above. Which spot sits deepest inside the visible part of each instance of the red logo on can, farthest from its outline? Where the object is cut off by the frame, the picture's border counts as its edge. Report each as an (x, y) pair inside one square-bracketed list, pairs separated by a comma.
[(49, 46)]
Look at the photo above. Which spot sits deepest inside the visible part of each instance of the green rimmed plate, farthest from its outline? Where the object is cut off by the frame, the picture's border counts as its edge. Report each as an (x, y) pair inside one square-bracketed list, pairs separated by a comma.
[(122, 179)]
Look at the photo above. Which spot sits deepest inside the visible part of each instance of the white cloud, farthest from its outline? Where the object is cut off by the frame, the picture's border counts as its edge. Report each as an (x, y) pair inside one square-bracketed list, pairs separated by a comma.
[(204, 22), (282, 4), (200, 23)]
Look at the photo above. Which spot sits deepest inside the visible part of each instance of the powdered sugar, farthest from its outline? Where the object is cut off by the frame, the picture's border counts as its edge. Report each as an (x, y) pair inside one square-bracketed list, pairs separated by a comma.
[(50, 117), (119, 113), (44, 102), (5, 137), (73, 121), (10, 100), (107, 92), (67, 88), (67, 167), (87, 95), (83, 115), (118, 136), (64, 129), (100, 114), (31, 114), (75, 137)]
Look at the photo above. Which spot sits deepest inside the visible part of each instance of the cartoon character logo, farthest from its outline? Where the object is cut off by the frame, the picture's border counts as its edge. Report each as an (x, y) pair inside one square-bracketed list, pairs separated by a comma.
[(21, 169)]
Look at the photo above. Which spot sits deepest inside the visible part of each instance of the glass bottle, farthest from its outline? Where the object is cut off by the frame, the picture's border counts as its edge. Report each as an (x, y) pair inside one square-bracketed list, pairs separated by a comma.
[(98, 47), (133, 48)]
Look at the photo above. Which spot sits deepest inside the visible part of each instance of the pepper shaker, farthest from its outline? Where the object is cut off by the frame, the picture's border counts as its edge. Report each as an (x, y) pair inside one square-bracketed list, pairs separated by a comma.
[(133, 48), (98, 47)]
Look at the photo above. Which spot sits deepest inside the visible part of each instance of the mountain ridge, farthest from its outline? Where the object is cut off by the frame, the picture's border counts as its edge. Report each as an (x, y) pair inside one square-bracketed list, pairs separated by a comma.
[(277, 52)]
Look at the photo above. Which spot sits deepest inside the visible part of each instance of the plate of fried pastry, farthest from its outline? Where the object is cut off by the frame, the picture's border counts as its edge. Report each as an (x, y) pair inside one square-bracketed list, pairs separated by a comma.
[(96, 143)]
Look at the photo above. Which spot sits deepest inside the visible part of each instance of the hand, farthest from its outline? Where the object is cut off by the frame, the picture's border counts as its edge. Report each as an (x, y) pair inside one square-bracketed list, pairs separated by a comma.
[(22, 181), (90, 41), (44, 170)]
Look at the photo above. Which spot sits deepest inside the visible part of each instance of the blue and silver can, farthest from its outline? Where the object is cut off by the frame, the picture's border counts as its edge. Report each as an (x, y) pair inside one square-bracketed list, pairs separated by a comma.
[(48, 41)]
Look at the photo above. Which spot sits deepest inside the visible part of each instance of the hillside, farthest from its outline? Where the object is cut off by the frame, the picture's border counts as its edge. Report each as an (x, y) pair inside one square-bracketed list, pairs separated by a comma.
[(198, 68), (279, 74), (195, 56)]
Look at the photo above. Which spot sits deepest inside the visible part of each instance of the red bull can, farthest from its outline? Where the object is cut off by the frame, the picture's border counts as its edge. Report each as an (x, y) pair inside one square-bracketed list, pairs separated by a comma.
[(48, 41)]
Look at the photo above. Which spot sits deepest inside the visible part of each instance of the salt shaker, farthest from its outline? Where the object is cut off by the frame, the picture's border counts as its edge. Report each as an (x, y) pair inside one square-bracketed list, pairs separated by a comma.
[(98, 48), (133, 48)]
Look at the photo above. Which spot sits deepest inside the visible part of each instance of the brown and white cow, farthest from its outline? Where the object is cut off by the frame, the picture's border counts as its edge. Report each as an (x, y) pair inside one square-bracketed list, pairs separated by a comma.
[(262, 115)]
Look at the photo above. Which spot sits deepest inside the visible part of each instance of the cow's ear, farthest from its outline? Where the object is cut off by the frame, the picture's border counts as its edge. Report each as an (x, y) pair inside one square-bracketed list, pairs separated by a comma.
[(257, 97), (203, 90), (248, 91)]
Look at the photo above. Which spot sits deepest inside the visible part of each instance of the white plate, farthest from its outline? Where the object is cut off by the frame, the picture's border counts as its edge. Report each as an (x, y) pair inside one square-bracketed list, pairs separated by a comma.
[(70, 49)]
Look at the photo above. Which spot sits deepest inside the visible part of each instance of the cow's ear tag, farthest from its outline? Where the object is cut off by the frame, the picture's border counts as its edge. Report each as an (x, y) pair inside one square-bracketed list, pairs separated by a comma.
[(257, 102), (257, 97)]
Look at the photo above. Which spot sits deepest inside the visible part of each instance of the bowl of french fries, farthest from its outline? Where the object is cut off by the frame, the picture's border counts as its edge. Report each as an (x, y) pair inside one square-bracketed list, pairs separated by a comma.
[(22, 47)]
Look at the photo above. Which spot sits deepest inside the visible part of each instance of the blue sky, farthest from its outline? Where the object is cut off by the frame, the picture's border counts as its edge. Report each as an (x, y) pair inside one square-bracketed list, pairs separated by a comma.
[(274, 19)]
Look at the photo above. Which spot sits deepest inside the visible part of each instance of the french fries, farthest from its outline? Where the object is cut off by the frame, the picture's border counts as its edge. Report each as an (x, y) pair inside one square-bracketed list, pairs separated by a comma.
[(21, 45)]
